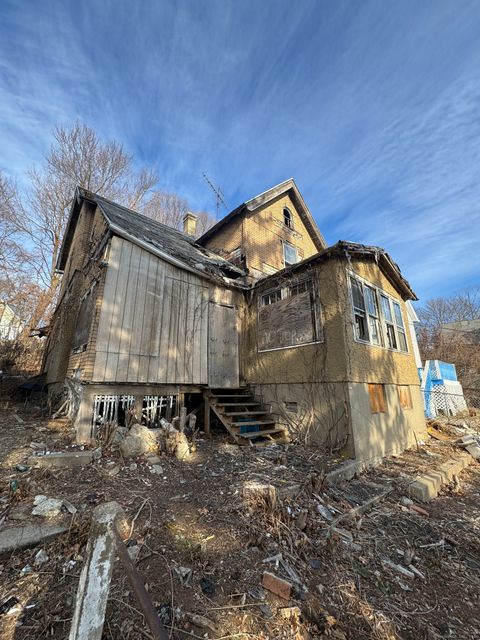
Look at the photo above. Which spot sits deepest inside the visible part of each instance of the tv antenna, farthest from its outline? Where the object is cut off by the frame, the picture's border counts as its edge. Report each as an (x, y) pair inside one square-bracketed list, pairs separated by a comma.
[(219, 197)]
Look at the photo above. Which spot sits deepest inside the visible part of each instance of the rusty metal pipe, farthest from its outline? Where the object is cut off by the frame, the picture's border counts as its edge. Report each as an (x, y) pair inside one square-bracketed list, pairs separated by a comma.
[(142, 595)]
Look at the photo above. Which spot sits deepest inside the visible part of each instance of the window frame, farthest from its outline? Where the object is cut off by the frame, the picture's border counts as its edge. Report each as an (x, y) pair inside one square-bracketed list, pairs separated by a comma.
[(387, 327), (287, 215), (286, 292), (290, 246)]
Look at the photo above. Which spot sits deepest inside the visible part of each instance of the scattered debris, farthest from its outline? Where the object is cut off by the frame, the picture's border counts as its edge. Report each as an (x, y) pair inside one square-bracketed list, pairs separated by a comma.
[(9, 604), (61, 459), (202, 622), (46, 507), (40, 557), (280, 587)]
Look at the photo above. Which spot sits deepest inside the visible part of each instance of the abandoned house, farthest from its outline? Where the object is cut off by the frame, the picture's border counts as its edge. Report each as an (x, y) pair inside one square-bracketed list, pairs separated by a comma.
[(259, 323)]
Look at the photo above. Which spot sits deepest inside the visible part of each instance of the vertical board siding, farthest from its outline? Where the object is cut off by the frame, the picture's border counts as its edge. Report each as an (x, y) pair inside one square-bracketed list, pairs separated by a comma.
[(153, 323), (223, 346)]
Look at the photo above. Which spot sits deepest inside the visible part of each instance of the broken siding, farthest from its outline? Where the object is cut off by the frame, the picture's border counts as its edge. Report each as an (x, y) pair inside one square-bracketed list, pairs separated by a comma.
[(153, 323)]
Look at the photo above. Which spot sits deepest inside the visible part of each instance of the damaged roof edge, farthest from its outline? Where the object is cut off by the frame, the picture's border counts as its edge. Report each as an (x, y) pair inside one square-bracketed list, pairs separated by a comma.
[(346, 249), (123, 221)]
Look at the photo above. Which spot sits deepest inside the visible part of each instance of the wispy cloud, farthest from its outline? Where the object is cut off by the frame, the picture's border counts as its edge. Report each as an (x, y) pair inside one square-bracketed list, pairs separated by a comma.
[(373, 109)]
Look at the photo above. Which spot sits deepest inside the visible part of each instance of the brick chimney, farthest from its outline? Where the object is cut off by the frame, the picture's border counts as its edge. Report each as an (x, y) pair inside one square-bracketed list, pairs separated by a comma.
[(189, 223)]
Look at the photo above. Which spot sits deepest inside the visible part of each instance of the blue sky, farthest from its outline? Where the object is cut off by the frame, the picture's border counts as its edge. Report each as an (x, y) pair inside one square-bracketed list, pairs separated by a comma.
[(373, 107)]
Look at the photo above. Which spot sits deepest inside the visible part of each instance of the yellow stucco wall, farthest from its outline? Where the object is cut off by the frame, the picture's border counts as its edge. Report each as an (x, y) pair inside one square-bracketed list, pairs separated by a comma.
[(379, 434), (325, 361)]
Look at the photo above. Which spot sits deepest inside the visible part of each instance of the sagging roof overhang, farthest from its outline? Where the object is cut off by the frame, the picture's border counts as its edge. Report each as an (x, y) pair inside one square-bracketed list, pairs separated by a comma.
[(347, 251), (161, 240), (288, 186)]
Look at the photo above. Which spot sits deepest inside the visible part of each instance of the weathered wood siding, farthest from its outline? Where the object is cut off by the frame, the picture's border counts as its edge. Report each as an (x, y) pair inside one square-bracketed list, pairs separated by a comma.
[(154, 320), (223, 346)]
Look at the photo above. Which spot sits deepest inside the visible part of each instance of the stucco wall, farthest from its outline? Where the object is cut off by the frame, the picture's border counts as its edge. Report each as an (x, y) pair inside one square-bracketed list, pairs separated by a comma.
[(325, 361), (321, 416), (379, 434)]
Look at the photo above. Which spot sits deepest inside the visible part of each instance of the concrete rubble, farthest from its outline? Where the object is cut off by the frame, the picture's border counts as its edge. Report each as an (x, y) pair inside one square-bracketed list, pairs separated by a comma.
[(29, 534), (62, 459)]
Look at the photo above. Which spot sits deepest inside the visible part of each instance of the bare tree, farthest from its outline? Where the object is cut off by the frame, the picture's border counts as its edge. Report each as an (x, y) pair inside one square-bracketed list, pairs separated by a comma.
[(77, 157), (456, 343), (169, 208), (13, 254)]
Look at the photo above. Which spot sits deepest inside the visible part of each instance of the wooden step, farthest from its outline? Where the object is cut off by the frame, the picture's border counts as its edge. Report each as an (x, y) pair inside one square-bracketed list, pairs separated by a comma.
[(237, 404), (249, 423), (231, 395), (254, 434), (246, 413)]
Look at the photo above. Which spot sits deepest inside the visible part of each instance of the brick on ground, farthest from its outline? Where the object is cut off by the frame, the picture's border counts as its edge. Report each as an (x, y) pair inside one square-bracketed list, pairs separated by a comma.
[(276, 585)]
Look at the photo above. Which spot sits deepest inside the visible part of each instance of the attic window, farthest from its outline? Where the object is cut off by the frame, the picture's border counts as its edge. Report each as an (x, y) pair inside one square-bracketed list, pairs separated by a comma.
[(287, 218)]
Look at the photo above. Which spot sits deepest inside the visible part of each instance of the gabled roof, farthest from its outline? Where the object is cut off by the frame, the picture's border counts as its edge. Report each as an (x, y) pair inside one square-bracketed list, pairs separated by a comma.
[(263, 199), (160, 239), (347, 250)]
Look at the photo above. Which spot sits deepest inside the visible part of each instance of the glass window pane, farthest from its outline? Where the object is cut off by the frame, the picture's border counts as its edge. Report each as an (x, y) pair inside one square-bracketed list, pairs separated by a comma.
[(371, 299), (398, 314), (357, 294), (392, 342), (374, 332), (403, 341), (361, 327), (387, 312), (289, 253)]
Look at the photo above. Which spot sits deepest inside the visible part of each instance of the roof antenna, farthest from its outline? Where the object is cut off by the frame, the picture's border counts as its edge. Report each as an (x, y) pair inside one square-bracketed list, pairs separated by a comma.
[(219, 197)]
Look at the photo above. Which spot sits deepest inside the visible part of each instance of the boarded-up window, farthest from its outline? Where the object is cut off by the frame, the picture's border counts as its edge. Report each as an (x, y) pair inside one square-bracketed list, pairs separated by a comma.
[(290, 319), (84, 319), (405, 397), (376, 393)]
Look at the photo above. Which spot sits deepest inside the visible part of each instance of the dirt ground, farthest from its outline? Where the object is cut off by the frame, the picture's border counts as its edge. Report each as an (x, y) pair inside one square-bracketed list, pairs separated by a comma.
[(202, 542)]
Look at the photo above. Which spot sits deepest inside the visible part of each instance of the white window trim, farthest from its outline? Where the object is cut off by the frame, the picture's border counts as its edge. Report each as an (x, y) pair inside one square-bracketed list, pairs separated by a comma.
[(289, 264), (381, 318)]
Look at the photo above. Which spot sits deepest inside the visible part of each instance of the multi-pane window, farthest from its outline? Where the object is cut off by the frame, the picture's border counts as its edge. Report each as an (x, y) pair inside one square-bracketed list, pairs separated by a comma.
[(290, 254), (359, 310), (271, 297), (378, 318), (402, 338), (388, 319), (372, 310)]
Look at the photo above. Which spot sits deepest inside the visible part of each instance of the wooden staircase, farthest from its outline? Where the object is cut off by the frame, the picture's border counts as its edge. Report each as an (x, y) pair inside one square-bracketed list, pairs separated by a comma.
[(244, 417)]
